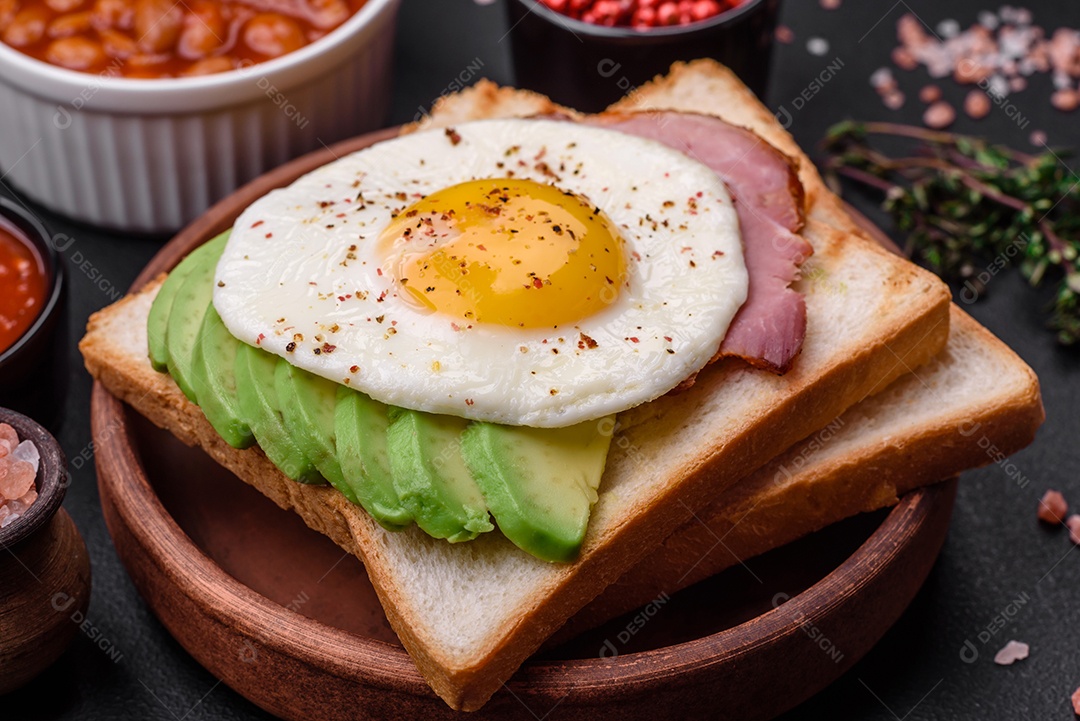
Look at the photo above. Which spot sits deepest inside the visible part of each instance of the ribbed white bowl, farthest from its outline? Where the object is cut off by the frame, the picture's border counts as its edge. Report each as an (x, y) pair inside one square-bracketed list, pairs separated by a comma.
[(151, 155)]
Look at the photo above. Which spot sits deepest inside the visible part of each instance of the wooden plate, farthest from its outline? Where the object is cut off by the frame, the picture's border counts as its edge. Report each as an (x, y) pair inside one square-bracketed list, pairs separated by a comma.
[(285, 618)]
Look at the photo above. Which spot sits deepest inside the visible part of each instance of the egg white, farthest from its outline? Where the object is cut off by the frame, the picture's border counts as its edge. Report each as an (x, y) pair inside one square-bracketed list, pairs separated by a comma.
[(301, 268)]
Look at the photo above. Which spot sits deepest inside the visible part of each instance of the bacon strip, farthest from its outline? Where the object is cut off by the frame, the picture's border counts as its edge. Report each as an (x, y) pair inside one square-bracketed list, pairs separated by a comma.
[(769, 329)]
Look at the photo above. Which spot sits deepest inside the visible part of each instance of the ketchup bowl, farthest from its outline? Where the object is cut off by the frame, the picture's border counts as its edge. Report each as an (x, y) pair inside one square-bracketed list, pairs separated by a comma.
[(32, 361), (588, 66)]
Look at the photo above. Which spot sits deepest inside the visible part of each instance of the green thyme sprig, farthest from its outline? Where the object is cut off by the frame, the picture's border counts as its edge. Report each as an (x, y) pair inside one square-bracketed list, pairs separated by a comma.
[(968, 207)]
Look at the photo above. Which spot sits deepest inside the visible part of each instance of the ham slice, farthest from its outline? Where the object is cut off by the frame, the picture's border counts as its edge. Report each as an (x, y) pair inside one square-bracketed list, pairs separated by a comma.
[(769, 329)]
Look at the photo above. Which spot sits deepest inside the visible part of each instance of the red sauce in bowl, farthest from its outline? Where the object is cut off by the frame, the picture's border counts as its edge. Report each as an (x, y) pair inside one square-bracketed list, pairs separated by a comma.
[(23, 284), (164, 38)]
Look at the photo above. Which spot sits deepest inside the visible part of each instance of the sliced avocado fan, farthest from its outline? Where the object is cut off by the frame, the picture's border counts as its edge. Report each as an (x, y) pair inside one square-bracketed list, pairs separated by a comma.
[(443, 472), (540, 483), (431, 477)]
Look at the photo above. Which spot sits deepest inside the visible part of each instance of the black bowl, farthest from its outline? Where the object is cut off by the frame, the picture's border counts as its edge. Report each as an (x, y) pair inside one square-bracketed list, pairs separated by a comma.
[(32, 370), (588, 67)]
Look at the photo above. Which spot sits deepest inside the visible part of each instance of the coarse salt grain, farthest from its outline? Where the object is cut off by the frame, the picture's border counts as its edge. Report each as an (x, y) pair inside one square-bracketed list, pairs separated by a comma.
[(19, 463), (930, 93), (939, 115), (1012, 652), (1052, 507), (976, 104), (817, 46), (948, 28), (893, 100), (1073, 522)]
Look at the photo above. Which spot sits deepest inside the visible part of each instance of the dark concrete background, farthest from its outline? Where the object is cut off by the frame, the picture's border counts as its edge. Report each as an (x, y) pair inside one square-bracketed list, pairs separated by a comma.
[(995, 554)]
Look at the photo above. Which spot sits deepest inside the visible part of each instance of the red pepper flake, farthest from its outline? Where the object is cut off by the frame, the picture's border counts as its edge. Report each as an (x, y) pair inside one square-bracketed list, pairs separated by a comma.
[(633, 339), (469, 401), (328, 348), (455, 138), (667, 338), (537, 283), (454, 326), (381, 298), (257, 223), (378, 271), (586, 342), (259, 340), (269, 235), (718, 254), (353, 369)]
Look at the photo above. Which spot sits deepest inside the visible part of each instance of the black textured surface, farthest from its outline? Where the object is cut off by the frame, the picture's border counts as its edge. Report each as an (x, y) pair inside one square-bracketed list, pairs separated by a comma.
[(999, 577)]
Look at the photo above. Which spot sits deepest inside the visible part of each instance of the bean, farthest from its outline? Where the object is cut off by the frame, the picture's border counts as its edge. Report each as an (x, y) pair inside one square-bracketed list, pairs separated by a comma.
[(76, 53), (117, 44), (27, 27), (204, 31), (8, 8), (272, 35), (64, 6), (158, 24), (209, 66), (114, 14), (67, 25), (328, 14)]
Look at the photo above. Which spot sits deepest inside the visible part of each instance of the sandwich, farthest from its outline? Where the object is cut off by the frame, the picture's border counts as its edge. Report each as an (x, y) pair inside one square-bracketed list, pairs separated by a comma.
[(505, 358)]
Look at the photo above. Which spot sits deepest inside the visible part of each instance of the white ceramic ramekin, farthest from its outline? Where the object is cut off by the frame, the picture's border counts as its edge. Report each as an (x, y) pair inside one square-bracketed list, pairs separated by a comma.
[(151, 155)]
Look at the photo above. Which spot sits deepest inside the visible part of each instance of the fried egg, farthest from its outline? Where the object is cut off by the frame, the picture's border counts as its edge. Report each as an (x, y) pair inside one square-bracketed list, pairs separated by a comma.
[(525, 272)]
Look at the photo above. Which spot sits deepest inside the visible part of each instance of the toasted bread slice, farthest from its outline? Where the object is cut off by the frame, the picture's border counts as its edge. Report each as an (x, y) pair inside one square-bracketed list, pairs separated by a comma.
[(471, 613), (975, 404)]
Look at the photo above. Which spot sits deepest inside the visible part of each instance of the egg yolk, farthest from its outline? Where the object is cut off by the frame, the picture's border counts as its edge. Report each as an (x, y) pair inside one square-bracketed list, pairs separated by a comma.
[(506, 251)]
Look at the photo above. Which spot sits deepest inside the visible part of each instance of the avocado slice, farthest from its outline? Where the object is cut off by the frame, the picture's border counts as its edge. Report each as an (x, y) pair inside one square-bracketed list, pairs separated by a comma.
[(189, 305), (540, 483), (308, 407), (157, 322), (260, 407), (213, 370), (360, 425), (431, 477)]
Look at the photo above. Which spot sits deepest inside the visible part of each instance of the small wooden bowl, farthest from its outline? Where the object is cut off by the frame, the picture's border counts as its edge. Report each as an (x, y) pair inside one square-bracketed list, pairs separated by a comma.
[(44, 569), (289, 621)]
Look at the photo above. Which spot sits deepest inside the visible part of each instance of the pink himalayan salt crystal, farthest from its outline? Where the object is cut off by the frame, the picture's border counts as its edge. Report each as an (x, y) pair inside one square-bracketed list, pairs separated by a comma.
[(1073, 522), (893, 100), (939, 115), (1012, 652), (930, 94), (1052, 507), (7, 433), (18, 479), (1037, 138), (784, 34), (830, 4), (1076, 702), (1065, 100), (976, 104)]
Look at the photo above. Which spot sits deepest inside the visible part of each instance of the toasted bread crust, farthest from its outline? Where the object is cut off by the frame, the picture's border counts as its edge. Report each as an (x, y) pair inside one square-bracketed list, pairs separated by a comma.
[(804, 401)]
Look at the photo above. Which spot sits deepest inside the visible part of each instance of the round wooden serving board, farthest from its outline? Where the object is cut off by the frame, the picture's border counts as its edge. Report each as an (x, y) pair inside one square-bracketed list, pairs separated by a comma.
[(288, 620)]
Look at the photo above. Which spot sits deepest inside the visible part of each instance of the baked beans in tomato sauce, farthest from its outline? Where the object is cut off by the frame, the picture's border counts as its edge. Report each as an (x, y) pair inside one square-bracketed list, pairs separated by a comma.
[(22, 284), (166, 38)]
